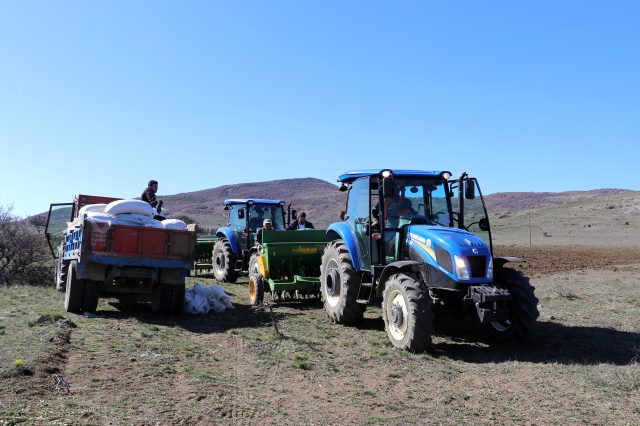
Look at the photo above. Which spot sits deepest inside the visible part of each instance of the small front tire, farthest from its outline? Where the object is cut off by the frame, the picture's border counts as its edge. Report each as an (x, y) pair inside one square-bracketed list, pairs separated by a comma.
[(407, 311), (256, 289)]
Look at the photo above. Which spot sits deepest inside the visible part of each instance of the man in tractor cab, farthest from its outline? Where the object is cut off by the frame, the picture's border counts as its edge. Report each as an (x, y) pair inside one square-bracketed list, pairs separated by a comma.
[(300, 223), (257, 218), (149, 195), (267, 225)]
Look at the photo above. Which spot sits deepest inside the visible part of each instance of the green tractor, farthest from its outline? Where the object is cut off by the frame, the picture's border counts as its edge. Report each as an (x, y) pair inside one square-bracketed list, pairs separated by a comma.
[(421, 243)]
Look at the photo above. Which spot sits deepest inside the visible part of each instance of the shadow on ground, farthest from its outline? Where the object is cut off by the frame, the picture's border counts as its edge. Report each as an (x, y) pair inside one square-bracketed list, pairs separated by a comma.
[(552, 342)]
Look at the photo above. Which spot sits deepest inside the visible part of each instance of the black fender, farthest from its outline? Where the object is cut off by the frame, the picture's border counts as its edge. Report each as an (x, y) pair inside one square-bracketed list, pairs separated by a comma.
[(396, 267)]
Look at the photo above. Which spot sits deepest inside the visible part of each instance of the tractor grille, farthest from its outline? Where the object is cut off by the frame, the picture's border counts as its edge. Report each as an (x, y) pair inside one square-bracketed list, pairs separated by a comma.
[(478, 265), (443, 258)]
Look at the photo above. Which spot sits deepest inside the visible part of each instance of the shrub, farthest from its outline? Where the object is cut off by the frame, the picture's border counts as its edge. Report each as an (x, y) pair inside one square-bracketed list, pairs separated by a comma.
[(24, 254)]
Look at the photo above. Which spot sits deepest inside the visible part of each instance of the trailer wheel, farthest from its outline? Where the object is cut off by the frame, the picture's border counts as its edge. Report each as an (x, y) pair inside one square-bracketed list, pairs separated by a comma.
[(223, 260), (74, 292), (525, 307), (168, 299), (177, 299), (256, 289), (339, 283), (407, 313), (91, 295), (62, 268)]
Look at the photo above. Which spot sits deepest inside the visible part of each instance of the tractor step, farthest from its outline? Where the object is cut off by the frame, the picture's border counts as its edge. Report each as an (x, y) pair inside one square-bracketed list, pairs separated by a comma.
[(366, 285), (363, 301)]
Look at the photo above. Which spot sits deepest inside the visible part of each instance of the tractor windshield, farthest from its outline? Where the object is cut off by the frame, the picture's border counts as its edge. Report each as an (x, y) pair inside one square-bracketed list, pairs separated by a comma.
[(259, 212), (417, 199)]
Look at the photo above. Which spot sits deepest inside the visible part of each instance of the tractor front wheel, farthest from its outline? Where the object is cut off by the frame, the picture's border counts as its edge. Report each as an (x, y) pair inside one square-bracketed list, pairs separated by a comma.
[(253, 264), (525, 307), (224, 262), (339, 284), (407, 313)]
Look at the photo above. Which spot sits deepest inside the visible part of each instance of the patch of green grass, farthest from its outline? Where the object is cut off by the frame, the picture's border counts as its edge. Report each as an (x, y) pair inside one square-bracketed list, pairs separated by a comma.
[(302, 362), (2, 330)]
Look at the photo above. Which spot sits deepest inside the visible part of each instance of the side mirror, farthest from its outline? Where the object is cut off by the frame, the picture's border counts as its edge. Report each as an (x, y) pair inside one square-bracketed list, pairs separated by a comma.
[(470, 189), (343, 188), (294, 214), (241, 214), (387, 186), (226, 208), (484, 224)]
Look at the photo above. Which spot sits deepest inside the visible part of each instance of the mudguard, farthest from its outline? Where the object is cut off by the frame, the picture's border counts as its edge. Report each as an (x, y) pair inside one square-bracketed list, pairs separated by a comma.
[(341, 230), (228, 233)]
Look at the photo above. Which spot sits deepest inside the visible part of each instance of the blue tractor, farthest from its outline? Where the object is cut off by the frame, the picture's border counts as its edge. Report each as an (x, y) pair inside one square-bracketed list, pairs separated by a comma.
[(421, 242), (235, 251)]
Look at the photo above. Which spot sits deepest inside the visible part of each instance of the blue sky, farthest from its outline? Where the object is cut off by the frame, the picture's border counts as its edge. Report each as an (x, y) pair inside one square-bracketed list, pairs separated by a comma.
[(98, 97)]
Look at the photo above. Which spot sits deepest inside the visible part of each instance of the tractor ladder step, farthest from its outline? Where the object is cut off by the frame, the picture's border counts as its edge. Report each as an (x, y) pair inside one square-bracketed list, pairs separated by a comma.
[(363, 301)]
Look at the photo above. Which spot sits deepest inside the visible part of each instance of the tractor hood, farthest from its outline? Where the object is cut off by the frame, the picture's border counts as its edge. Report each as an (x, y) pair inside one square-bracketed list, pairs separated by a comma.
[(437, 245)]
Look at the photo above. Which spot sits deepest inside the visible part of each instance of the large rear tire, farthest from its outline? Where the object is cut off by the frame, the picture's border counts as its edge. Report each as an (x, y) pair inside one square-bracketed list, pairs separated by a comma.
[(74, 291), (339, 284), (224, 260), (407, 312), (525, 307)]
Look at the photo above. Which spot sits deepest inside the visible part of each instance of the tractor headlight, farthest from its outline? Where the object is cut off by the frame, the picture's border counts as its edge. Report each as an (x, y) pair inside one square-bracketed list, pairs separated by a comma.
[(490, 269), (446, 175), (462, 270)]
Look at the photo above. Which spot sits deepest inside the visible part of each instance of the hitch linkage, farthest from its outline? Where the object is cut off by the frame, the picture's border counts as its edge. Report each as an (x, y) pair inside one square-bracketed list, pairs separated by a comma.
[(492, 303)]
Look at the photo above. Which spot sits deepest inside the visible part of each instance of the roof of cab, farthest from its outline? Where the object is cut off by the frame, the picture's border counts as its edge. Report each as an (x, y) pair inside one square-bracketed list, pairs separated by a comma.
[(247, 200), (352, 175)]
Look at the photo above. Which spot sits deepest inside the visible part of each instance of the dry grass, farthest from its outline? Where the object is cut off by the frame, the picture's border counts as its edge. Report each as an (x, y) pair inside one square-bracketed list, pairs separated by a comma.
[(234, 367)]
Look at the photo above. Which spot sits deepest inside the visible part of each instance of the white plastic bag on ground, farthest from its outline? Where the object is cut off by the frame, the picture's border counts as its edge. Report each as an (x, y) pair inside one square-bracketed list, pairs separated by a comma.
[(176, 224), (222, 297), (214, 297), (195, 304), (130, 207), (99, 208)]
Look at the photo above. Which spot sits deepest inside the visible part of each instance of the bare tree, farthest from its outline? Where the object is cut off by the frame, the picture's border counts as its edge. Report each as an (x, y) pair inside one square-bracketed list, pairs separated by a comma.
[(24, 257)]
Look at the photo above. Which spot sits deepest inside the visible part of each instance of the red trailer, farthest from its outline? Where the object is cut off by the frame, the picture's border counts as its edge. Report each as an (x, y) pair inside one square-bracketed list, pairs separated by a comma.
[(131, 263)]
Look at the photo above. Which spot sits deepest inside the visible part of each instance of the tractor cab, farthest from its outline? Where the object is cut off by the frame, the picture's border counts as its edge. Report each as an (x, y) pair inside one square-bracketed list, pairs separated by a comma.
[(382, 206), (237, 241)]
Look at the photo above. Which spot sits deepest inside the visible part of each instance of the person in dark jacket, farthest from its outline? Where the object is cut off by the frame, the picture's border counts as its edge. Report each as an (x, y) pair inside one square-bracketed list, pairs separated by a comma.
[(266, 225), (149, 195), (300, 223)]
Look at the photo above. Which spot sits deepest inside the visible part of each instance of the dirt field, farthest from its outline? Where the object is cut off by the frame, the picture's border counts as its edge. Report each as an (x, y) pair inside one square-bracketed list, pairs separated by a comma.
[(286, 364)]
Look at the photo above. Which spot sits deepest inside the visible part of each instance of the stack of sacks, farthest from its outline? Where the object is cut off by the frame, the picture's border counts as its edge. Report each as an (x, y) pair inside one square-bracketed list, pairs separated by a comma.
[(200, 299), (130, 213)]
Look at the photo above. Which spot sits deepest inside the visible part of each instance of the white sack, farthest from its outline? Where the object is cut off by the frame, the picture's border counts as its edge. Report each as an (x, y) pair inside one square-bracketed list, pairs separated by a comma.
[(195, 304), (222, 297), (92, 208), (94, 217), (130, 207), (214, 297), (136, 219), (175, 224)]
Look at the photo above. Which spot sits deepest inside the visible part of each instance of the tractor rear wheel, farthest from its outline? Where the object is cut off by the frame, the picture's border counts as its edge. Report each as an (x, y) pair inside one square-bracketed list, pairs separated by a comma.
[(224, 262), (407, 313), (525, 307), (256, 289), (74, 292), (339, 284)]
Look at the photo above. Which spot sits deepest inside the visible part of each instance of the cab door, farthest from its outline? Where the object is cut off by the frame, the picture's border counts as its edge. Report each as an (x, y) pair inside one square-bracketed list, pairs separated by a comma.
[(466, 196), (59, 215)]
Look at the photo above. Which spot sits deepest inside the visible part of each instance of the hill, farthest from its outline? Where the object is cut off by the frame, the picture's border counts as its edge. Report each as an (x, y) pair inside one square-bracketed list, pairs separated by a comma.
[(320, 199)]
